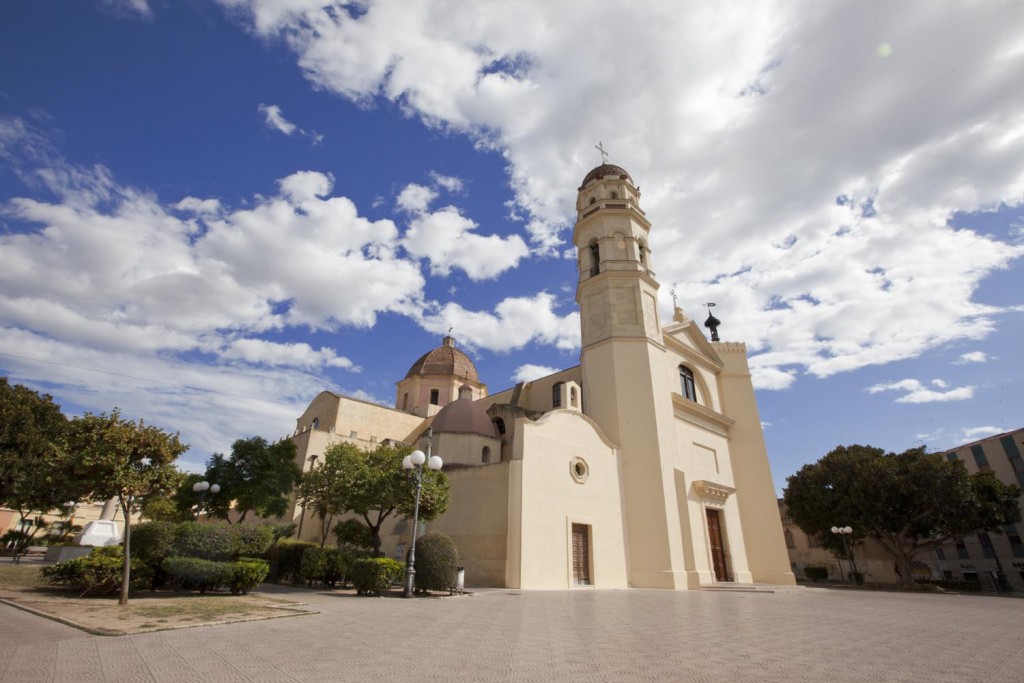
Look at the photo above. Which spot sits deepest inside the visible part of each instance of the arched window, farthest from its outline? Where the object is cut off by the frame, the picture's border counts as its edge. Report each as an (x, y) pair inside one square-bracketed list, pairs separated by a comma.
[(595, 258), (485, 457), (316, 423), (614, 195), (556, 395), (593, 200), (405, 401), (499, 425), (435, 396), (641, 250), (687, 388), (572, 397)]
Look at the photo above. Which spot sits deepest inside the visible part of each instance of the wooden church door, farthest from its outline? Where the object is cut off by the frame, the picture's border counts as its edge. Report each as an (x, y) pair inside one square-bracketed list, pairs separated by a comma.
[(717, 546), (580, 555)]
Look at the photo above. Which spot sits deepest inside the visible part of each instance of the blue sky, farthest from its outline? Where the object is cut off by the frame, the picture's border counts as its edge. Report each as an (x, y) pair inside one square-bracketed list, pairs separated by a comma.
[(212, 210)]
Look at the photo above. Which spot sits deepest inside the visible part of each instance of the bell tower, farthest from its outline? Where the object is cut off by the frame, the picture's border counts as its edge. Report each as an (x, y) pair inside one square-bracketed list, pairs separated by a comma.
[(627, 372), (617, 292)]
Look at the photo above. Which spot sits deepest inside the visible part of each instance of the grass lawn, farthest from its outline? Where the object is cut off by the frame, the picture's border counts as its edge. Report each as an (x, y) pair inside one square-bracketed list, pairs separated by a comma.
[(146, 611)]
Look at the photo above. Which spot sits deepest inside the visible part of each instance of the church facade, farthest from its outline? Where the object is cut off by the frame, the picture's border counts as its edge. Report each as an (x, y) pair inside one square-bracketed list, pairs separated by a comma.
[(643, 466)]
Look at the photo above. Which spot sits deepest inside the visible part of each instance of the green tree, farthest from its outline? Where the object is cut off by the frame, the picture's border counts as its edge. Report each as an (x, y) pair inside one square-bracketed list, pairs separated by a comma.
[(378, 487), (909, 502), (116, 457), (258, 477), (324, 489), (33, 459)]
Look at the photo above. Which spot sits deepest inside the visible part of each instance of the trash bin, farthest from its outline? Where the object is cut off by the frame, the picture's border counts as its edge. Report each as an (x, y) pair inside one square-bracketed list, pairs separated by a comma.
[(460, 581)]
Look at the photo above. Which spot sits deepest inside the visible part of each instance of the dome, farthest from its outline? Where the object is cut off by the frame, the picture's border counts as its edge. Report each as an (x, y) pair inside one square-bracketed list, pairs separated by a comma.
[(604, 170), (445, 360), (464, 416)]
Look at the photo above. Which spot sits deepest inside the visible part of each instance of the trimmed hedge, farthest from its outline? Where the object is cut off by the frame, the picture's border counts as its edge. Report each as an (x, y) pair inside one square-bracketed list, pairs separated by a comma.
[(98, 573), (324, 565), (252, 540), (437, 563), (374, 575), (286, 560), (205, 541), (816, 573), (206, 575)]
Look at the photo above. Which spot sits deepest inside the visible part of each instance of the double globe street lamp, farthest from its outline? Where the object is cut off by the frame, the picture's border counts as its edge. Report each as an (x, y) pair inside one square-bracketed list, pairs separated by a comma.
[(200, 488), (414, 461)]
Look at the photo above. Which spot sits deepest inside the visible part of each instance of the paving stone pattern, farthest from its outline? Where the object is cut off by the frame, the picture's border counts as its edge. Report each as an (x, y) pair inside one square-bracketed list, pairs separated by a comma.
[(638, 635)]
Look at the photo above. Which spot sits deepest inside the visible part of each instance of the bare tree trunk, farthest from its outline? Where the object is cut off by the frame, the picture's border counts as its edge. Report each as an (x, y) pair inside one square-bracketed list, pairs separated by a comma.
[(126, 570)]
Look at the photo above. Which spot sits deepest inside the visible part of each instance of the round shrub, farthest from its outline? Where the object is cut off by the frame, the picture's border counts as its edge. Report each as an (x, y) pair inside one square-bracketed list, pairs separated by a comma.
[(98, 573), (374, 575), (247, 574), (352, 534), (312, 565), (252, 540), (437, 563), (336, 567), (197, 573), (205, 541), (152, 541)]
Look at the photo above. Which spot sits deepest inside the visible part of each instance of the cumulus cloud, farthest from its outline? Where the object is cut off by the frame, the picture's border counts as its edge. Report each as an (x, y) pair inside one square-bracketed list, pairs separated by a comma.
[(276, 120), (132, 8), (795, 173), (299, 355), (972, 357), (915, 391), (530, 372), (449, 240), (515, 322), (415, 198), (452, 184)]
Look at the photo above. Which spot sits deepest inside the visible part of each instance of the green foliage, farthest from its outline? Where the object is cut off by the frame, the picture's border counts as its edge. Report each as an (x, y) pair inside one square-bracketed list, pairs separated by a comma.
[(281, 531), (374, 575), (247, 574), (909, 502), (353, 535), (328, 566), (195, 573), (258, 477), (286, 560), (374, 485), (98, 573), (437, 562), (153, 541), (816, 573), (215, 542), (252, 539)]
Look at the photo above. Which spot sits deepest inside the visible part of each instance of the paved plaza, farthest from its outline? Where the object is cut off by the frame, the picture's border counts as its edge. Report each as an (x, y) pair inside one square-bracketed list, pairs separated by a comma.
[(811, 634)]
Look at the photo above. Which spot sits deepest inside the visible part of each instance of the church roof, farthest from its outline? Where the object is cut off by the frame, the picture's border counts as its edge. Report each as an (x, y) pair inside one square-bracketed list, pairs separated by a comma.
[(445, 360), (605, 170), (463, 416)]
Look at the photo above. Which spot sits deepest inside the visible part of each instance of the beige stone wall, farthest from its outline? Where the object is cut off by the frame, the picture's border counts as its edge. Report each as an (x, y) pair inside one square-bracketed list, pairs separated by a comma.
[(537, 394), (547, 499)]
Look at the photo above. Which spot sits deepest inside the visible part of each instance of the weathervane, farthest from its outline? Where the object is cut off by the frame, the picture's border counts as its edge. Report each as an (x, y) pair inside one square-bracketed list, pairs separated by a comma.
[(600, 148)]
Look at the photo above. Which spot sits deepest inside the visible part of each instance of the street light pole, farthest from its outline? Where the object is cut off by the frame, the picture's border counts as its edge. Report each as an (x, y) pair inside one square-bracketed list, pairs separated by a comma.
[(201, 487), (415, 461)]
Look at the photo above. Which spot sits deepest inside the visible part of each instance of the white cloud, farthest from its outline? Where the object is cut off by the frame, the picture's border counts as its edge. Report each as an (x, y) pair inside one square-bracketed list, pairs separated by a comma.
[(530, 372), (448, 239), (198, 206), (751, 128), (516, 322), (975, 433), (298, 355), (276, 120), (972, 357), (452, 184), (939, 384), (139, 8), (916, 392), (415, 198)]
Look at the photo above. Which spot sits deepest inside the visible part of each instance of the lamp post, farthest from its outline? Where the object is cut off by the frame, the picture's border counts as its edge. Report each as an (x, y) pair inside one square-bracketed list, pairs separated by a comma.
[(844, 533), (414, 461), (200, 488)]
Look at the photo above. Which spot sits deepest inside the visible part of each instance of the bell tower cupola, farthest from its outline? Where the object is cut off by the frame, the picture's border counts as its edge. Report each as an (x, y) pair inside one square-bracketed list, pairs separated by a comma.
[(616, 291)]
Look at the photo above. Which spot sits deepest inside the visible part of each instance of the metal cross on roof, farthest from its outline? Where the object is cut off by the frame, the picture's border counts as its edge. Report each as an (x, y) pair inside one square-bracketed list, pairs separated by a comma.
[(672, 291), (604, 155)]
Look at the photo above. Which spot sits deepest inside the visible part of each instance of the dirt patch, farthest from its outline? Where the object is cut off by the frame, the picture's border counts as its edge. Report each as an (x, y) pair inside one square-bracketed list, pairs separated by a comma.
[(145, 612)]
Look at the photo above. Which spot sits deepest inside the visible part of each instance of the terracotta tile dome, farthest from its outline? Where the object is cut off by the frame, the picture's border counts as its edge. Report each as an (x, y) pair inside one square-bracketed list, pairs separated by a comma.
[(464, 416), (604, 170), (445, 360)]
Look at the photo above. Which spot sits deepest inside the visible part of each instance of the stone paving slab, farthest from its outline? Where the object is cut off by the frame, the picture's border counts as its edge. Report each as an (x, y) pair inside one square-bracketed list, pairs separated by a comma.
[(585, 635)]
